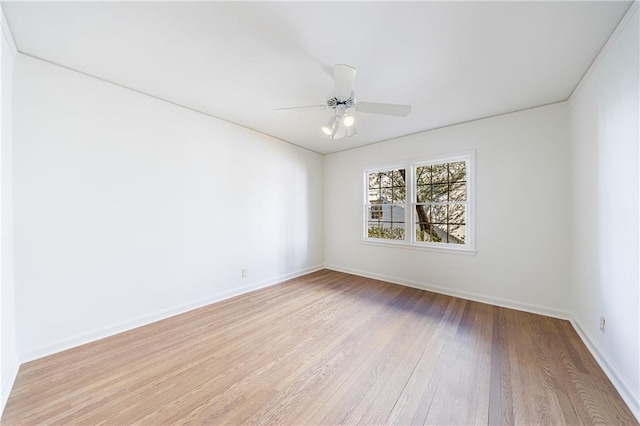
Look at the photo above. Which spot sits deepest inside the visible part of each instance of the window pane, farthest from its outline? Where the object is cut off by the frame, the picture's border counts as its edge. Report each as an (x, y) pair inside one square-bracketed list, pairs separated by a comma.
[(438, 214), (423, 224), (457, 234), (374, 180), (423, 213), (388, 186), (398, 177), (395, 214), (457, 214), (457, 171), (423, 175), (399, 187), (386, 232), (458, 191), (439, 173), (440, 223), (386, 221), (440, 192), (386, 179), (398, 194), (427, 234), (423, 193), (385, 195)]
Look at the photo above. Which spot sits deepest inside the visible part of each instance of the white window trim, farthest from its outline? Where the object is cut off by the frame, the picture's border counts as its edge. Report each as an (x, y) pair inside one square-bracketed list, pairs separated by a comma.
[(410, 170), (366, 237)]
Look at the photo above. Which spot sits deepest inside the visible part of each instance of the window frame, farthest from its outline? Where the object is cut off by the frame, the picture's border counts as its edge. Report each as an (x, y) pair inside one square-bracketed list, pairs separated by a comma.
[(410, 219), (367, 205)]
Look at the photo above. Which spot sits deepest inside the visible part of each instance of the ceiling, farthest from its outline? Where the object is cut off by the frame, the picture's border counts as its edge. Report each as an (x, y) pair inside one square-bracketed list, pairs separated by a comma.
[(452, 61)]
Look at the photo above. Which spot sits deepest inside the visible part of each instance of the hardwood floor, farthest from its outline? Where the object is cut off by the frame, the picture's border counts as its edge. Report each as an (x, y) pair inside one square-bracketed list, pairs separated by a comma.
[(326, 348)]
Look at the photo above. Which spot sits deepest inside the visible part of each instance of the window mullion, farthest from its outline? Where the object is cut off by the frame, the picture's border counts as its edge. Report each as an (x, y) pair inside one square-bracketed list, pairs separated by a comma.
[(442, 218)]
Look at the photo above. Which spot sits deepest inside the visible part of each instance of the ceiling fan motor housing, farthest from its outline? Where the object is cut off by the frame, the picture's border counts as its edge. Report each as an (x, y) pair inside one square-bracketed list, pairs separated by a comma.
[(341, 104)]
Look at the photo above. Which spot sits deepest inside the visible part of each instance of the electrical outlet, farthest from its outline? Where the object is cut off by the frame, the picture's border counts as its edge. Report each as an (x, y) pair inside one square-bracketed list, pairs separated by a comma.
[(244, 273), (602, 324)]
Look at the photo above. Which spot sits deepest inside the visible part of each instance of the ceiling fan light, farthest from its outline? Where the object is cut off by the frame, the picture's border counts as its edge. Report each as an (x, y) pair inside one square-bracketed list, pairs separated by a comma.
[(336, 130), (340, 132), (330, 128), (348, 120)]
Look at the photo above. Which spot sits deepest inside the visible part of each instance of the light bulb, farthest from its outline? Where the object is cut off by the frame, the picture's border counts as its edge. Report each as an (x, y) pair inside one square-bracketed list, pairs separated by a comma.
[(348, 120), (329, 128)]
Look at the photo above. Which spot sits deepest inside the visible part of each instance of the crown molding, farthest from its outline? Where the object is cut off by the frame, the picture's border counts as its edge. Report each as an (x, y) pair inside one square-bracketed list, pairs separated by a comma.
[(6, 31), (605, 49)]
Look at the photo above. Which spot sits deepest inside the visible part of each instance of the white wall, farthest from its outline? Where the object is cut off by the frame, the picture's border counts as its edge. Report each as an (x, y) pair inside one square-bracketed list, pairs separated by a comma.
[(128, 208), (8, 343), (522, 236), (604, 149)]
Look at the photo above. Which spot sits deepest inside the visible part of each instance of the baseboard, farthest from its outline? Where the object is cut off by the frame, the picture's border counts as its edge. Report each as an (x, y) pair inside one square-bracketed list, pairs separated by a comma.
[(157, 316), (8, 378), (633, 401), (511, 304)]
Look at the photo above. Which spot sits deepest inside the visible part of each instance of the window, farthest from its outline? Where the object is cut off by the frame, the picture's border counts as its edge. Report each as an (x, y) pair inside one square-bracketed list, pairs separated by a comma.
[(386, 200), (441, 195), (433, 196)]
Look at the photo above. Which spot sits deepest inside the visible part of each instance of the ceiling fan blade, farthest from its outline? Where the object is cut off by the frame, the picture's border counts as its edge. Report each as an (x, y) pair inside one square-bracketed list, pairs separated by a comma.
[(385, 109), (303, 108), (344, 75)]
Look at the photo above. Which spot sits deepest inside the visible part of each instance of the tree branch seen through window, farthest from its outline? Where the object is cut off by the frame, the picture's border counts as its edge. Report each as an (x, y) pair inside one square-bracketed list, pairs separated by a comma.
[(439, 206)]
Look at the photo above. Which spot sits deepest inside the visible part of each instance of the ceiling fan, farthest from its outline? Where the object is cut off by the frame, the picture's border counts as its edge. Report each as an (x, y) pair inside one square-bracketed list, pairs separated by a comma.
[(342, 99)]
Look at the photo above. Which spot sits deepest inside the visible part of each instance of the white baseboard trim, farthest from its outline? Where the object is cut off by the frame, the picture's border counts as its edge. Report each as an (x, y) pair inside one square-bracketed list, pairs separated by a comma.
[(8, 378), (73, 342), (9, 375), (511, 304), (633, 401)]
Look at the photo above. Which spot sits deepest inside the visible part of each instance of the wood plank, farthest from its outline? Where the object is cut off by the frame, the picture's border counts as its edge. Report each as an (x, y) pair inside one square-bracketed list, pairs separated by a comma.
[(326, 348)]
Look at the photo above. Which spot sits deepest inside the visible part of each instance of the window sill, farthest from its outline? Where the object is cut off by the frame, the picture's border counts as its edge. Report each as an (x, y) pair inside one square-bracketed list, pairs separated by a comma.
[(404, 245)]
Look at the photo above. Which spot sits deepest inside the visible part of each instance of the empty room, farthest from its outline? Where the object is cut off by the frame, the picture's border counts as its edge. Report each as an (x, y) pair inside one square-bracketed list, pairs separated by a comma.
[(307, 213)]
